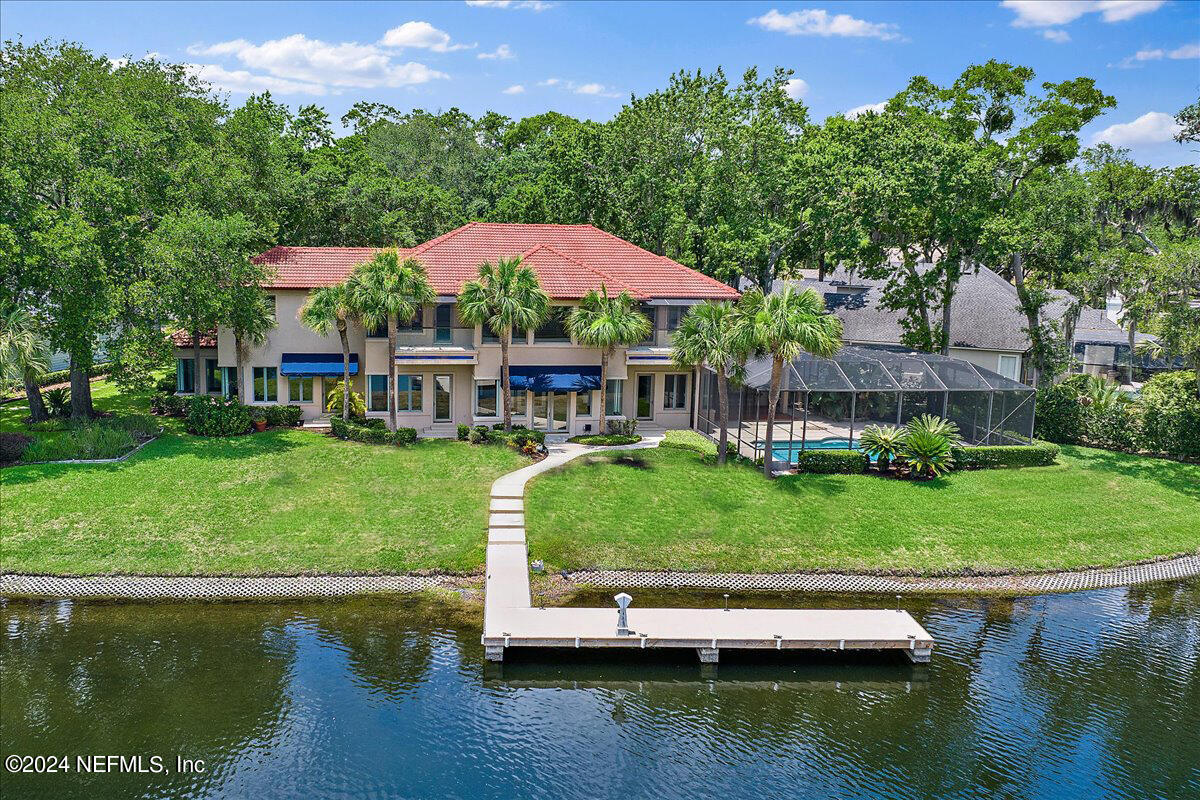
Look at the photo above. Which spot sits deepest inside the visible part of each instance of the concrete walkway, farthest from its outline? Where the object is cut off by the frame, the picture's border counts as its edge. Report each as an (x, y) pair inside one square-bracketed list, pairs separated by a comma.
[(509, 620)]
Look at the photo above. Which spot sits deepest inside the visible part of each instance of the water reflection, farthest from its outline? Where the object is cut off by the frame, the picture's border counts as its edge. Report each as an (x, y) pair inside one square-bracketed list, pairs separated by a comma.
[(1086, 695)]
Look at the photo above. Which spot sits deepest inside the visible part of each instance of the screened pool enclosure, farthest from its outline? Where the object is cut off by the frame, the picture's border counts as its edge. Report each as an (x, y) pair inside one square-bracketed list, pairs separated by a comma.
[(824, 403)]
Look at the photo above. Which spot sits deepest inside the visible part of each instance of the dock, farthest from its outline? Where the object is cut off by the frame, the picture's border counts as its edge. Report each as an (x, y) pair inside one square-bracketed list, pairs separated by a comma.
[(510, 619)]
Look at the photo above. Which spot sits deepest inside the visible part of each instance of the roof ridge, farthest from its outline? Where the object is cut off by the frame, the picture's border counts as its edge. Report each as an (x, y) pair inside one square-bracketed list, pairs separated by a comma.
[(421, 248)]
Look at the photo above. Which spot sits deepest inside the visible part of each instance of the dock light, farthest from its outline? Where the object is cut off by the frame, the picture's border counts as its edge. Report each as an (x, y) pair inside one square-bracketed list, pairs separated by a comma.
[(538, 566), (727, 601), (623, 601), (897, 602)]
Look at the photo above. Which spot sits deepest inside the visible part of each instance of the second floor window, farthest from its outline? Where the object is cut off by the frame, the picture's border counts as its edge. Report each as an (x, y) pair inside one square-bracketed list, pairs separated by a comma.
[(554, 329), (443, 323)]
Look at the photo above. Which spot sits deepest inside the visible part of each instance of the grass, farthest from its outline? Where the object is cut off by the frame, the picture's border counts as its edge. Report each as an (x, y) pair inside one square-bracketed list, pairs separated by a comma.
[(664, 509), (106, 397), (284, 501)]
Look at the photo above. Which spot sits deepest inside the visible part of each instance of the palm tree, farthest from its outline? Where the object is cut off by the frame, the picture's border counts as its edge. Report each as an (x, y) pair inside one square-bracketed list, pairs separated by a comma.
[(782, 326), (250, 318), (506, 296), (709, 334), (606, 323), (328, 309), (24, 355), (385, 290)]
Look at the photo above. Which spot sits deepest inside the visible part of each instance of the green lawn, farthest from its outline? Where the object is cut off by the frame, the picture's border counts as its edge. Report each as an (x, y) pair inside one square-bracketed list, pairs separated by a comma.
[(105, 398), (1094, 508), (285, 501)]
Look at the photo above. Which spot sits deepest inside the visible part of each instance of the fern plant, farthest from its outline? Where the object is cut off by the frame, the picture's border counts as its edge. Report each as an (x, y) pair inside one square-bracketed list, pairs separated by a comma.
[(928, 454), (883, 444), (358, 408)]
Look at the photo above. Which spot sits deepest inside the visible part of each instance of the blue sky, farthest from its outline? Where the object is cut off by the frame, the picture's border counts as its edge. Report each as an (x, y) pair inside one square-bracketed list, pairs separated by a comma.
[(527, 56)]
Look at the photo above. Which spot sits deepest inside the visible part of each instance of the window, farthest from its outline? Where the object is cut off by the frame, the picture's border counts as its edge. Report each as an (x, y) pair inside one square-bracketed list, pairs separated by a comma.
[(212, 376), (271, 306), (554, 329), (1010, 366), (675, 315), (583, 404), (485, 398), (229, 382), (443, 317), (378, 332), (300, 390), (408, 392), (184, 375), (417, 323), (675, 392), (651, 313), (612, 396), (266, 385), (488, 336), (377, 393), (520, 403)]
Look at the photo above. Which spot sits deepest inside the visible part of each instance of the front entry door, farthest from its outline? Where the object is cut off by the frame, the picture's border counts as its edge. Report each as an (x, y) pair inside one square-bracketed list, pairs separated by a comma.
[(645, 396), (443, 398), (550, 411)]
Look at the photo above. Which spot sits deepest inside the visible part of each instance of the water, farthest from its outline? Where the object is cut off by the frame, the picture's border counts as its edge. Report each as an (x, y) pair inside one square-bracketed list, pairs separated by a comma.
[(790, 451), (1090, 695)]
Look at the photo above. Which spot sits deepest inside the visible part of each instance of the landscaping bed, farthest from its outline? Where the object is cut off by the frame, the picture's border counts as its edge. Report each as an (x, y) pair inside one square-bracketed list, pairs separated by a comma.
[(668, 509)]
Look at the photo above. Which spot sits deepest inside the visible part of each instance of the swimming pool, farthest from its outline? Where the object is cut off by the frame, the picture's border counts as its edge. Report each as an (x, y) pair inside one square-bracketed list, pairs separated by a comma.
[(788, 451)]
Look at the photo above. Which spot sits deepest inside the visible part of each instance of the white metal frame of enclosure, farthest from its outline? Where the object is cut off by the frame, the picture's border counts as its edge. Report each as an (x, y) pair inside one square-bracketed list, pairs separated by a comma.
[(921, 379)]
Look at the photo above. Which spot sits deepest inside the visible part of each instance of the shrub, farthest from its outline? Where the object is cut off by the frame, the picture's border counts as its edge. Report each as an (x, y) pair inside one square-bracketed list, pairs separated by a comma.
[(1058, 414), (283, 416), (927, 452), (1111, 425), (371, 433), (829, 462), (882, 444), (476, 436), (58, 402), (358, 408), (622, 427), (166, 383), (463, 431), (520, 437), (91, 441), (12, 445), (606, 439), (214, 416), (168, 405), (1041, 454), (1169, 415)]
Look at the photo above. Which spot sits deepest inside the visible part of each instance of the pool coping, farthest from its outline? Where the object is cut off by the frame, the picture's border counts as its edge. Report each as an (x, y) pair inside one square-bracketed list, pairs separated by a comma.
[(300, 587)]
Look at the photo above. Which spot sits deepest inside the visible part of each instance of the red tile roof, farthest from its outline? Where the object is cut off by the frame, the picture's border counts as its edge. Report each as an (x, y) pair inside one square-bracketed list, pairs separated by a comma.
[(569, 260), (183, 339)]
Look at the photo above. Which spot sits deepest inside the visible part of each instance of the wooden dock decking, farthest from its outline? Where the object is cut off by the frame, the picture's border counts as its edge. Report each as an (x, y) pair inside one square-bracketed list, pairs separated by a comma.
[(511, 621)]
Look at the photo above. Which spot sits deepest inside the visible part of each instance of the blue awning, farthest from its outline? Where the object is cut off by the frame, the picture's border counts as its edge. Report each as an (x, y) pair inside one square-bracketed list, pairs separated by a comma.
[(554, 379), (316, 364)]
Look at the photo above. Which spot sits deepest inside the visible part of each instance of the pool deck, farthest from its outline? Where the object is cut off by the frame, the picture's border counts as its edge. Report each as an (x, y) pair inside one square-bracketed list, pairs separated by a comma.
[(510, 620)]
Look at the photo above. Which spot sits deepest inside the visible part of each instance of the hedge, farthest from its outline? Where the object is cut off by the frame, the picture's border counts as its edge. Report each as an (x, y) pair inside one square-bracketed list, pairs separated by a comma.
[(608, 439), (690, 440), (376, 433), (1041, 454), (1170, 415), (829, 462), (282, 416), (64, 375), (208, 415), (1058, 414)]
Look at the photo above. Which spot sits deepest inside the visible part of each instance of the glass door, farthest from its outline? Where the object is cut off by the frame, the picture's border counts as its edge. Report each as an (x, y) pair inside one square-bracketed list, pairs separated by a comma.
[(645, 396), (443, 398), (559, 407), (540, 411)]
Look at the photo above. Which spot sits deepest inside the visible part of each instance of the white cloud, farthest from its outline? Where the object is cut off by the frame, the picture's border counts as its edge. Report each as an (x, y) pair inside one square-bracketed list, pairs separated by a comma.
[(594, 89), (421, 35), (857, 110), (1056, 35), (516, 88), (503, 52), (241, 81), (1150, 128), (1045, 13), (819, 22), (1186, 51), (550, 82), (532, 5), (298, 58), (796, 88)]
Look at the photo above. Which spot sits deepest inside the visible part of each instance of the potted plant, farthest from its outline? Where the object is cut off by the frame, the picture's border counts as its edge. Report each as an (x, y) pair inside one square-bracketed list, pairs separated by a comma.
[(259, 420)]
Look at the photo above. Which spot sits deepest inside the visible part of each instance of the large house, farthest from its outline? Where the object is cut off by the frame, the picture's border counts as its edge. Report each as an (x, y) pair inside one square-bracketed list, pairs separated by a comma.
[(448, 372), (987, 326)]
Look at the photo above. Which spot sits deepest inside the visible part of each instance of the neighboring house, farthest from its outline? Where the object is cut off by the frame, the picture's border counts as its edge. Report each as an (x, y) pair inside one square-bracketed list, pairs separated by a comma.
[(987, 327), (449, 373)]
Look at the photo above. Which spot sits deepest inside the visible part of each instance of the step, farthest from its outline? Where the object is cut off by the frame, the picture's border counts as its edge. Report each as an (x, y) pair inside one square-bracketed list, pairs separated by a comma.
[(507, 504), (506, 520), (506, 536)]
